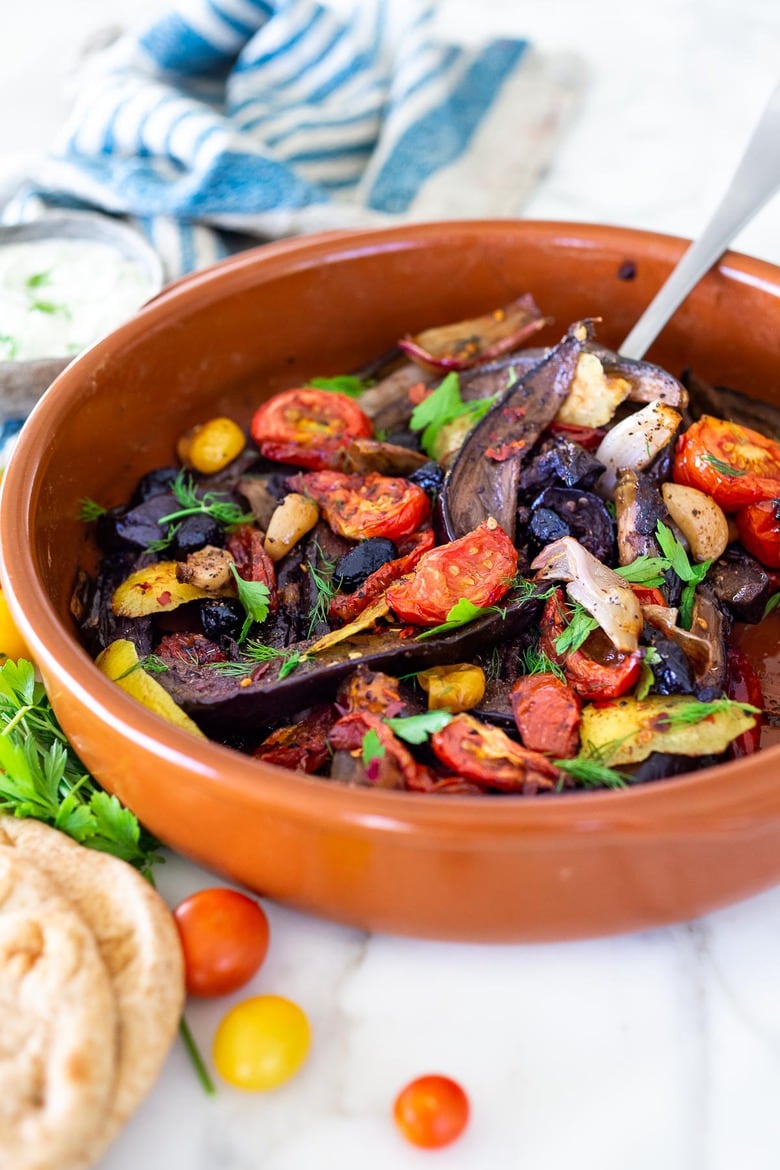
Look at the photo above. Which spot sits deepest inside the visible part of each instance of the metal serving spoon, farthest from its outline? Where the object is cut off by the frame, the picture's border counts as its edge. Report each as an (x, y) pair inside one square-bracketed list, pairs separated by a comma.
[(755, 180)]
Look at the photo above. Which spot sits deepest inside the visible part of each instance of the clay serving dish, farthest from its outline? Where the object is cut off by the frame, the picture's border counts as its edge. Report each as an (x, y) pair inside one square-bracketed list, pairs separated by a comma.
[(494, 869)]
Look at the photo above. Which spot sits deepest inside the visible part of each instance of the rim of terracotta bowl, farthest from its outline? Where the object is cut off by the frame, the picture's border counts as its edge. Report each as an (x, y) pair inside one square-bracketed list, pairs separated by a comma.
[(710, 801)]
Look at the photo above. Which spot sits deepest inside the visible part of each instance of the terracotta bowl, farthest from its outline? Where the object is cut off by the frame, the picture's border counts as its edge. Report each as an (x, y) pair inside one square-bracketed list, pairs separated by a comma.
[(496, 869)]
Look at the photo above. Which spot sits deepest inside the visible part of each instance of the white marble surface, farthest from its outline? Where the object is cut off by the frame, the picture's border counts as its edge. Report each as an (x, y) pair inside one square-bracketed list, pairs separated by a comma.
[(648, 1051)]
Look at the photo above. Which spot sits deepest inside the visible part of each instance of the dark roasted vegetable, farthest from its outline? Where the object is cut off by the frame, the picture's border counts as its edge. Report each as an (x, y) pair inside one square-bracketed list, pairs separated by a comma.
[(638, 508), (559, 458), (741, 583), (193, 533), (361, 561), (221, 617), (583, 516)]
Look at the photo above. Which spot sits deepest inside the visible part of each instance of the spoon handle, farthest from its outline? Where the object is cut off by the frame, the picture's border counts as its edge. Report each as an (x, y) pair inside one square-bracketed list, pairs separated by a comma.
[(755, 180)]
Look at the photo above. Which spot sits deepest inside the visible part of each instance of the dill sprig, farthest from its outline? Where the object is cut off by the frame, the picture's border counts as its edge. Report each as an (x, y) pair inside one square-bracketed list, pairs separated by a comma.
[(257, 652), (534, 661), (90, 510), (695, 712), (323, 583), (217, 505), (591, 768)]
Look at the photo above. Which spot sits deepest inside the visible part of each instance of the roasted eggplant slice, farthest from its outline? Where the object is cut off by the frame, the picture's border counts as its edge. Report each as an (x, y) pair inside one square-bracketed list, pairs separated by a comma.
[(741, 583), (484, 478), (216, 700)]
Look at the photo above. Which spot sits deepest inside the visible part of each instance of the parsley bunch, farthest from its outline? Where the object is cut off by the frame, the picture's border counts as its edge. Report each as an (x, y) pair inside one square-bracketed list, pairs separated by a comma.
[(443, 406), (41, 776)]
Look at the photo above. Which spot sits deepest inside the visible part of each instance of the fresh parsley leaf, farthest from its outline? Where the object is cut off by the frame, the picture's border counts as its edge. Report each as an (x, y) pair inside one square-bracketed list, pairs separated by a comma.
[(443, 406), (460, 614), (417, 728), (90, 510), (373, 748), (773, 603), (43, 778), (580, 626), (645, 570), (342, 384), (255, 597), (722, 467), (692, 575)]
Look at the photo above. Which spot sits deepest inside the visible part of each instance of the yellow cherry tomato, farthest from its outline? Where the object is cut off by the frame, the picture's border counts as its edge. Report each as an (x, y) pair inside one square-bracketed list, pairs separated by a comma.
[(211, 445), (12, 644), (261, 1043), (453, 688)]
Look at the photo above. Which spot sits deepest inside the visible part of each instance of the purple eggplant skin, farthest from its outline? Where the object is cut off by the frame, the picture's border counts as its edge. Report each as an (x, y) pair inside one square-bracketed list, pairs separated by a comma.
[(91, 606), (221, 706), (741, 584), (583, 515), (663, 765), (478, 486), (558, 459)]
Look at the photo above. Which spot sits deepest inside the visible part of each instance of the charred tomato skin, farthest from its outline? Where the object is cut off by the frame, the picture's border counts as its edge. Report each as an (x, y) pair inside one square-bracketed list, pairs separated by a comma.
[(359, 507), (486, 756), (308, 427), (478, 567), (733, 464), (597, 670), (759, 530)]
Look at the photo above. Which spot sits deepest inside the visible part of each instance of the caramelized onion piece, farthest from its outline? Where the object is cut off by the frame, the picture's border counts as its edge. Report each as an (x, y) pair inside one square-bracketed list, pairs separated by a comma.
[(465, 343), (607, 597)]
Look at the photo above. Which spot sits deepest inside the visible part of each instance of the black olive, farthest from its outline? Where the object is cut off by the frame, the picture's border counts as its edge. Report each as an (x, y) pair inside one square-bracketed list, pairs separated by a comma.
[(671, 672), (154, 483), (221, 617), (547, 526), (137, 527), (195, 532), (429, 477), (361, 561)]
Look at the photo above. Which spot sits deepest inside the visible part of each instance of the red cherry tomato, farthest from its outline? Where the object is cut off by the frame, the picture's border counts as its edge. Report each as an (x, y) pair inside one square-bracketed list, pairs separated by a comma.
[(486, 756), (361, 506), (224, 936), (759, 530), (733, 464), (547, 714), (308, 427), (431, 1111), (597, 670), (478, 567)]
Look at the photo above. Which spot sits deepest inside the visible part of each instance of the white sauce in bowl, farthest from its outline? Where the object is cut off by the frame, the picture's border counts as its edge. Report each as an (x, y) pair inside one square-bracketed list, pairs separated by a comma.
[(58, 296)]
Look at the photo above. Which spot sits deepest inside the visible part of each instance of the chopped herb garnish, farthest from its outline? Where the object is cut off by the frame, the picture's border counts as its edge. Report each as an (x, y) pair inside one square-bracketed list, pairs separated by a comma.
[(646, 677), (256, 652), (692, 575), (342, 384), (417, 728), (695, 712), (41, 777), (460, 614), (213, 504), (645, 571), (38, 279), (580, 626), (151, 663), (373, 748), (773, 603), (535, 661), (443, 406), (724, 468), (591, 770), (323, 583), (90, 510), (255, 597)]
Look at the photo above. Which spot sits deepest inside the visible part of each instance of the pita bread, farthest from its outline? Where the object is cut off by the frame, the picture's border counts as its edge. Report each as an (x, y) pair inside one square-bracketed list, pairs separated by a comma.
[(138, 941), (58, 1034)]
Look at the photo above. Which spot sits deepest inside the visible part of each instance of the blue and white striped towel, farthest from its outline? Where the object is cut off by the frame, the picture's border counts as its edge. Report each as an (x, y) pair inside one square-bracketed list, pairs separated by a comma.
[(273, 117)]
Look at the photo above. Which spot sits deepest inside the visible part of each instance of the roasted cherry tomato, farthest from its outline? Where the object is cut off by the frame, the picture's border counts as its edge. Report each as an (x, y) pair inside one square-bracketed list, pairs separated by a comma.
[(392, 766), (11, 642), (224, 936), (759, 530), (487, 756), (302, 746), (431, 1111), (345, 607), (308, 427), (361, 506), (648, 594), (547, 714), (733, 464), (597, 670), (479, 566), (587, 437), (261, 1043), (743, 684)]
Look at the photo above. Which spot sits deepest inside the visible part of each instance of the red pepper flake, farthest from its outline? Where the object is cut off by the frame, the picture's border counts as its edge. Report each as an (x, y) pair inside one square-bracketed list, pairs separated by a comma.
[(164, 598), (506, 450), (408, 631), (418, 393)]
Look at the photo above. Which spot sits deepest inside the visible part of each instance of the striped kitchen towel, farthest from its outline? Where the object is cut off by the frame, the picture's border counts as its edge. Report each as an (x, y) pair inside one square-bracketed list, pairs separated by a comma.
[(274, 117)]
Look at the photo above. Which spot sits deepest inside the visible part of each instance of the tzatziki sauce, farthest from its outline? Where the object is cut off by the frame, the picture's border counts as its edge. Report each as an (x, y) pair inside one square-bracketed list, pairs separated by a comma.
[(58, 296)]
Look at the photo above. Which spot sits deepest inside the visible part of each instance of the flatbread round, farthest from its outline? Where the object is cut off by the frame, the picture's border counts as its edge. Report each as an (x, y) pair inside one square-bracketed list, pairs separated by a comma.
[(138, 940), (58, 1025)]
